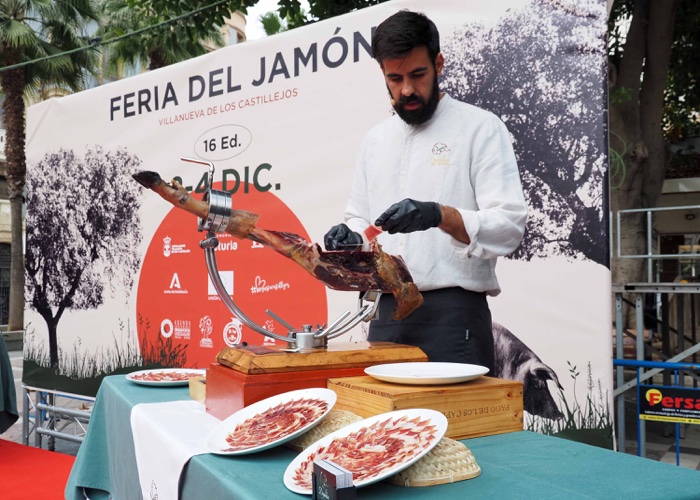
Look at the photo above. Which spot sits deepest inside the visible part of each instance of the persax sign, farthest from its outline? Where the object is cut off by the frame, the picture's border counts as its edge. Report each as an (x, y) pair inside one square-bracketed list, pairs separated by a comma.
[(669, 404)]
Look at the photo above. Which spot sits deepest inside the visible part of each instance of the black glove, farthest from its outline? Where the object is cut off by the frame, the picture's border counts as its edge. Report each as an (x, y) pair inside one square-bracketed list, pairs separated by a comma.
[(410, 215), (340, 237)]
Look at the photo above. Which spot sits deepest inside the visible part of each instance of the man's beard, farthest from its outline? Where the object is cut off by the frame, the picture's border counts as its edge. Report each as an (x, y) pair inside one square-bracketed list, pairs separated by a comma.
[(423, 113)]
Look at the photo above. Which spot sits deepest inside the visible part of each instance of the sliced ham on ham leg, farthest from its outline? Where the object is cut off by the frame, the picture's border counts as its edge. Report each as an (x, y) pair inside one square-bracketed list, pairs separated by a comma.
[(341, 270)]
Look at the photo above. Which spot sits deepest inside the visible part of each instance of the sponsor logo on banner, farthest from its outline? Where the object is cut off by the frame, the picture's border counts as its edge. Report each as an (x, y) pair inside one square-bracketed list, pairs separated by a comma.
[(175, 288), (169, 248), (270, 327), (669, 404), (261, 286), (225, 246), (182, 329), (205, 327), (226, 279), (179, 327), (166, 328), (166, 246), (257, 245), (233, 332)]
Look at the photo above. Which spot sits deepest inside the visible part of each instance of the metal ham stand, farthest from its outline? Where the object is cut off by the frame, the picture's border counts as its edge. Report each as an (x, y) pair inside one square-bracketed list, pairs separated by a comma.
[(220, 205), (245, 374)]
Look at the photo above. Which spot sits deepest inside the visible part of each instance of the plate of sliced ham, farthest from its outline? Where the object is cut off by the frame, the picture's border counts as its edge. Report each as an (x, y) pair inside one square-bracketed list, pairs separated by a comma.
[(165, 376), (372, 449), (270, 422)]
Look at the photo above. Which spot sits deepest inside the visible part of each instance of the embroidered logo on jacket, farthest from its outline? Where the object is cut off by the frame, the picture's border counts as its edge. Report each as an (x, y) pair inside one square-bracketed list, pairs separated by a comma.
[(440, 156), (440, 148)]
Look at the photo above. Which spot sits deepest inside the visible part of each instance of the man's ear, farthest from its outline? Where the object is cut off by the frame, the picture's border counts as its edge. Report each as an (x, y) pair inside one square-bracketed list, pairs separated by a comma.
[(439, 63)]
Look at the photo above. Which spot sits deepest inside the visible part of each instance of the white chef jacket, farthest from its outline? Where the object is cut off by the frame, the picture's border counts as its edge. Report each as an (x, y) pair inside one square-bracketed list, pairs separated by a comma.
[(462, 157)]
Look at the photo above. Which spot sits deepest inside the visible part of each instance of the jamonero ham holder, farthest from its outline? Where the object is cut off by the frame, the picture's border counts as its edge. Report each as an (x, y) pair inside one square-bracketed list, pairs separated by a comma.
[(247, 373)]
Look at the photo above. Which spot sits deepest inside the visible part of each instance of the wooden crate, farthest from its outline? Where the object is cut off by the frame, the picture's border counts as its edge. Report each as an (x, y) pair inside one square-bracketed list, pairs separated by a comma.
[(229, 390), (480, 407)]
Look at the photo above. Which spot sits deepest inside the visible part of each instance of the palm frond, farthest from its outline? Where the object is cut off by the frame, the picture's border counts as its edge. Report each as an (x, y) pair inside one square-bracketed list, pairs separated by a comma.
[(17, 34)]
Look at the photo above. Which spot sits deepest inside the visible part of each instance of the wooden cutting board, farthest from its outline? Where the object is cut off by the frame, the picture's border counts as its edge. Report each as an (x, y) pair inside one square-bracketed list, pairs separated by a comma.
[(262, 359)]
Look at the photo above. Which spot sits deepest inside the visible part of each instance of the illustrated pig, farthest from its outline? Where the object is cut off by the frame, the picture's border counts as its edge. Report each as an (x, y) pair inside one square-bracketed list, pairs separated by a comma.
[(516, 361)]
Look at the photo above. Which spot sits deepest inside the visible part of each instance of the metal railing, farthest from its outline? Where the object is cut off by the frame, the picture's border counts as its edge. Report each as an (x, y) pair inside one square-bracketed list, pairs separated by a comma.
[(650, 255), (46, 417)]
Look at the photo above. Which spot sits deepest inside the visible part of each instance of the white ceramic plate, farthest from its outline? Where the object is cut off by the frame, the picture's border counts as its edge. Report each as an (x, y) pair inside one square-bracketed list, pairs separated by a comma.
[(379, 463), (428, 373), (217, 443), (172, 376)]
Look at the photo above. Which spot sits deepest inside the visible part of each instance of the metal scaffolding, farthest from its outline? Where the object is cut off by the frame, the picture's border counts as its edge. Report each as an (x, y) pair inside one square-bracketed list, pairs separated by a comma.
[(669, 318)]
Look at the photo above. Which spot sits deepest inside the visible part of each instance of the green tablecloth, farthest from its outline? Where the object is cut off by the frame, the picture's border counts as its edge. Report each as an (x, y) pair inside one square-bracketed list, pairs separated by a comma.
[(519, 465), (8, 401)]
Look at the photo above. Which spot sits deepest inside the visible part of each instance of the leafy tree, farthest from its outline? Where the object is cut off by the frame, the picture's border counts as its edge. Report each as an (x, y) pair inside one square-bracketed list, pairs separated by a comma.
[(30, 30), (323, 9), (82, 232), (289, 10), (654, 98), (159, 47), (209, 14)]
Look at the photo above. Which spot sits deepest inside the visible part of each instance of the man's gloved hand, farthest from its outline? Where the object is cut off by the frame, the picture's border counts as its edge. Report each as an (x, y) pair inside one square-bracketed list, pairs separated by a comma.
[(340, 237), (410, 215)]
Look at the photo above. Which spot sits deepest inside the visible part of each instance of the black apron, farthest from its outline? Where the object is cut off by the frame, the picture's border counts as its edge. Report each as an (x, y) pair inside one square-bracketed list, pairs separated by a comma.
[(453, 325)]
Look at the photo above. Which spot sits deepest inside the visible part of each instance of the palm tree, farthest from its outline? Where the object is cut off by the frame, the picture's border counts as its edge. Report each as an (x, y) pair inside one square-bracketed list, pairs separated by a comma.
[(273, 23), (171, 43), (32, 30)]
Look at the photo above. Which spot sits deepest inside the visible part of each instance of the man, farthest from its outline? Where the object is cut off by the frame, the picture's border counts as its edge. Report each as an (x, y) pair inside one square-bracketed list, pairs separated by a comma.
[(440, 179)]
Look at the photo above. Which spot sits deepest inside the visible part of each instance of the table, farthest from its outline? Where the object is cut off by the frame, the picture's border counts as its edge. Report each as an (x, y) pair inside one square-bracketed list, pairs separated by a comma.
[(519, 465), (8, 396)]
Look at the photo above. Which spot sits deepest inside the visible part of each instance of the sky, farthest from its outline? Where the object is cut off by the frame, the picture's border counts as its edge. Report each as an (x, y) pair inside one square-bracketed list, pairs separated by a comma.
[(253, 29)]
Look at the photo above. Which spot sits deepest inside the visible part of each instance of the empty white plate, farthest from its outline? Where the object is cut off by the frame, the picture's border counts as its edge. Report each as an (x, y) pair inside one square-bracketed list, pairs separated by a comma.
[(427, 373)]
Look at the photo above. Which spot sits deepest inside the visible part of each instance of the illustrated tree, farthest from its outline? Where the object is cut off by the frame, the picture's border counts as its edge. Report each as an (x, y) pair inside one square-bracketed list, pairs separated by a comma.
[(541, 70), (32, 30), (83, 230)]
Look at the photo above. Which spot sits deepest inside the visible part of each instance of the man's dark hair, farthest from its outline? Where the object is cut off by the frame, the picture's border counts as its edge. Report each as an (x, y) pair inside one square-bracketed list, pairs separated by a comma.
[(402, 32)]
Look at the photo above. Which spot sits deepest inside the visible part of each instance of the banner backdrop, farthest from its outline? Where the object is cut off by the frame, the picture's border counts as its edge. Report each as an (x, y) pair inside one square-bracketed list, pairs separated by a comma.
[(115, 276)]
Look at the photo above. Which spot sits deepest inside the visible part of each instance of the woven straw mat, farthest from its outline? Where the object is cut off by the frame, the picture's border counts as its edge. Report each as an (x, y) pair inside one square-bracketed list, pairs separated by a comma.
[(336, 419), (450, 461)]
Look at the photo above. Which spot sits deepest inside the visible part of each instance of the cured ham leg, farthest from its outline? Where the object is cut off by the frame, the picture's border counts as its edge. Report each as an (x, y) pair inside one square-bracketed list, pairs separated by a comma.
[(341, 270)]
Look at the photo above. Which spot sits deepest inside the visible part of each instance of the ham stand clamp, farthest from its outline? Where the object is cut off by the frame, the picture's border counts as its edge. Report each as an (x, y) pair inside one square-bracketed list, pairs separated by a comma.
[(220, 203)]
